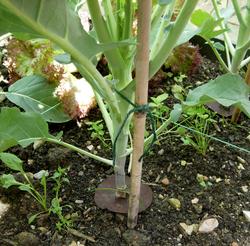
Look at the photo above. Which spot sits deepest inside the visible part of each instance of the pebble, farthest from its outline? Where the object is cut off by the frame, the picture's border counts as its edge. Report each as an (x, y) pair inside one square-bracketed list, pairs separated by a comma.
[(187, 229), (161, 196), (234, 244), (30, 162), (79, 201), (165, 181), (90, 147), (3, 208), (244, 188), (208, 225), (247, 215), (241, 160), (80, 173), (175, 203), (195, 200), (241, 167), (183, 163), (161, 152)]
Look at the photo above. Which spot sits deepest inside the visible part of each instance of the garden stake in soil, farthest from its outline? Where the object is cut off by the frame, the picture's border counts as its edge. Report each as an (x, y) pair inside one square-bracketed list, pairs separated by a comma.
[(141, 97)]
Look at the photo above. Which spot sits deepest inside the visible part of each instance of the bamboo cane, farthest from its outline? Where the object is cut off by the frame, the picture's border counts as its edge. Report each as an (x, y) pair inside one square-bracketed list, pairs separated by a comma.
[(141, 98)]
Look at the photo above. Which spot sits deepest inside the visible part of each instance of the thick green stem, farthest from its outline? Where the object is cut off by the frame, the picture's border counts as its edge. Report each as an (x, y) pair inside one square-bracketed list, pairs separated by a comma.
[(111, 22), (242, 45), (120, 161), (218, 56), (174, 34), (223, 26), (80, 151), (113, 56), (128, 9), (105, 115), (238, 12)]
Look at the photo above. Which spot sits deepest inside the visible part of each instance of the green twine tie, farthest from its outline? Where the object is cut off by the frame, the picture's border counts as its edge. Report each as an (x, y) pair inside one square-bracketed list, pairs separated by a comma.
[(145, 108)]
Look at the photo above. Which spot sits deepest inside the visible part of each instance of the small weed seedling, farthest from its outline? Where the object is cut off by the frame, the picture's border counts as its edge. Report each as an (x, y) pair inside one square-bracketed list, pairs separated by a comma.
[(198, 120), (59, 177), (97, 131), (203, 181), (160, 110)]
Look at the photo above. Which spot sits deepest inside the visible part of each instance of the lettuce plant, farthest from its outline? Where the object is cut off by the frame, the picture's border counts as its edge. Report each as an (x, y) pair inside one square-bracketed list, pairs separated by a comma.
[(113, 35)]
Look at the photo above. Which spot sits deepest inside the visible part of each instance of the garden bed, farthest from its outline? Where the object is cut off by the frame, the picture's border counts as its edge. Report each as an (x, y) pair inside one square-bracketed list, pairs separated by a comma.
[(224, 196)]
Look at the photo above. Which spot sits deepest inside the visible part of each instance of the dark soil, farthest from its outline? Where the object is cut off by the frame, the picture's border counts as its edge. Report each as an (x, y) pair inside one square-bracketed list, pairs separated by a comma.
[(224, 199)]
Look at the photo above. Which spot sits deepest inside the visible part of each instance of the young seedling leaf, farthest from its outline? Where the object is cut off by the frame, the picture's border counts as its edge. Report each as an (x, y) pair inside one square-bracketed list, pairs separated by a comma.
[(228, 89), (6, 141), (8, 180), (11, 161), (35, 94), (25, 187), (32, 218)]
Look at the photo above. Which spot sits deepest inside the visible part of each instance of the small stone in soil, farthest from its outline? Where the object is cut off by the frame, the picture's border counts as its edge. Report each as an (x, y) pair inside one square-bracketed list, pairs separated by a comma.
[(195, 200), (161, 196), (175, 203), (244, 188), (80, 173), (161, 152), (241, 160), (188, 229), (208, 225), (3, 208), (183, 163), (241, 167), (247, 215), (165, 181), (90, 147), (79, 201)]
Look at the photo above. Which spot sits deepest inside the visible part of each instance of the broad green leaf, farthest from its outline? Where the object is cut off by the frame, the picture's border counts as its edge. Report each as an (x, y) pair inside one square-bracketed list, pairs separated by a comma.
[(23, 127), (35, 94), (228, 89), (54, 20), (207, 24), (8, 180), (6, 141), (11, 161)]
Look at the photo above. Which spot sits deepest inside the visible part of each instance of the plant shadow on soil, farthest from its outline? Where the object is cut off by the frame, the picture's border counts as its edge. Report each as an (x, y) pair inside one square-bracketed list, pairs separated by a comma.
[(224, 199)]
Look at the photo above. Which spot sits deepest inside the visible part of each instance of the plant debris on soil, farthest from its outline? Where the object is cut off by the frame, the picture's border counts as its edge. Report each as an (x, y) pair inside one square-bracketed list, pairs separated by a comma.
[(180, 204)]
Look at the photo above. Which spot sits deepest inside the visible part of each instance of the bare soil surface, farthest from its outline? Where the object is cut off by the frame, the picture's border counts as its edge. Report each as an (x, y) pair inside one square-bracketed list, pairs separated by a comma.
[(224, 197)]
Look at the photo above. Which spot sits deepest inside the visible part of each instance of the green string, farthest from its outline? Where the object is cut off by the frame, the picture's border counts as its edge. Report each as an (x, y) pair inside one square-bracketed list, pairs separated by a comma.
[(145, 108)]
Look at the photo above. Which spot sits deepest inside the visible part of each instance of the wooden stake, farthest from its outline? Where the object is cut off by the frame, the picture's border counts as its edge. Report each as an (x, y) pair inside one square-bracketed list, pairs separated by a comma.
[(236, 112), (141, 98)]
